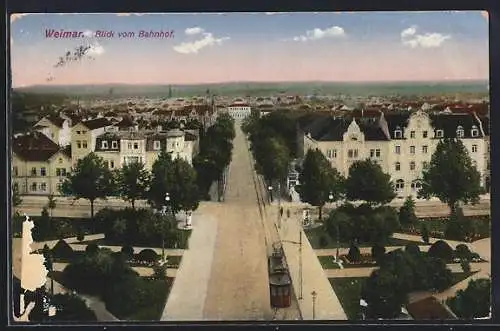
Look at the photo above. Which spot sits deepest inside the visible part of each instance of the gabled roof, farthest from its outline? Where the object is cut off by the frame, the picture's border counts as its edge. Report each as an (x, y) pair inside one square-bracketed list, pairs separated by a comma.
[(34, 146), (96, 123), (56, 120)]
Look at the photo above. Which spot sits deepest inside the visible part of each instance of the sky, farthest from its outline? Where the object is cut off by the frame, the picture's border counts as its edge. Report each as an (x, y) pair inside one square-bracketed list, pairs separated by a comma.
[(261, 47)]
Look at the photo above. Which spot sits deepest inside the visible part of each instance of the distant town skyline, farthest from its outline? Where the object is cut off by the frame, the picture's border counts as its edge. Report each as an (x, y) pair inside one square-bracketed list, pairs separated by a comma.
[(258, 47)]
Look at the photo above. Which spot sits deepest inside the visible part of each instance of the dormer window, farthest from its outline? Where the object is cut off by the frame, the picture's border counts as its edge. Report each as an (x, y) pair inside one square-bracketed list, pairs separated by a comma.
[(156, 145), (460, 132), (104, 145), (114, 144), (398, 133), (439, 133), (474, 132)]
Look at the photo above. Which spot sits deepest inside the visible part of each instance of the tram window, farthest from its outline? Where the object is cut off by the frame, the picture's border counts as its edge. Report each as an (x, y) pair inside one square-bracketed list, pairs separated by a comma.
[(286, 291), (273, 291)]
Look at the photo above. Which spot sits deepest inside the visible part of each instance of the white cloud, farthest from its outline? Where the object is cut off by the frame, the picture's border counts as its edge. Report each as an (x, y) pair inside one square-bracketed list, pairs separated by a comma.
[(95, 49), (411, 38), (14, 17), (316, 34), (88, 33), (195, 46), (193, 31)]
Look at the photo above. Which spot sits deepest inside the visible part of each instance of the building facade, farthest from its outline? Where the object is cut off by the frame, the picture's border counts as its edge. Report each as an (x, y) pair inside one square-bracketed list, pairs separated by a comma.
[(56, 128), (401, 143)]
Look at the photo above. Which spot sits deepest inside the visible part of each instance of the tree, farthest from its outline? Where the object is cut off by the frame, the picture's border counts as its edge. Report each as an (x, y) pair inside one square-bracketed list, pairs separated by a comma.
[(43, 226), (367, 182), (71, 308), (382, 294), (465, 264), (51, 203), (273, 157), (91, 180), (161, 178), (474, 301), (413, 250), (441, 250), (318, 180), (62, 250), (407, 215), (133, 182), (128, 251), (425, 233), (463, 252), (378, 252), (451, 176), (354, 254), (16, 197)]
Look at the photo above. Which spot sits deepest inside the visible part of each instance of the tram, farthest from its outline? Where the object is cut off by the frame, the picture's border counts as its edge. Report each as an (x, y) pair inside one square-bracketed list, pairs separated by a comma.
[(279, 279)]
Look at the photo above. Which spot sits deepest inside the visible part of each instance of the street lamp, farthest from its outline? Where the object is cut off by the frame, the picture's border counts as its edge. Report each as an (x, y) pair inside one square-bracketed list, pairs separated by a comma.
[(314, 294), (270, 188), (330, 197), (167, 201)]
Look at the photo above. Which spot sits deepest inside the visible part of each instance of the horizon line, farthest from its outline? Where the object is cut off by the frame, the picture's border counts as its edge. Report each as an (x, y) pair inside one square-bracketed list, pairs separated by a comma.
[(262, 82)]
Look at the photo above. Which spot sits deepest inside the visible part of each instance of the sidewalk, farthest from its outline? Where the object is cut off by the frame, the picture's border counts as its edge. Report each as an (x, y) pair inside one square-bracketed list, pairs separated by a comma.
[(327, 305), (187, 296), (363, 250)]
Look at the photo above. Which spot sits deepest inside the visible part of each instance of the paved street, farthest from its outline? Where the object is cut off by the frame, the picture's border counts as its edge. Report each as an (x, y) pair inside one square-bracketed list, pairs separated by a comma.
[(238, 287)]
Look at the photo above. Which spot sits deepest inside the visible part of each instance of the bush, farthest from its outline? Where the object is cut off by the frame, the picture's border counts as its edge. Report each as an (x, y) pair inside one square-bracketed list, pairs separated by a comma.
[(92, 249), (80, 235), (378, 252), (407, 215), (148, 255), (465, 264), (462, 252), (62, 250), (412, 249), (441, 250), (354, 254), (127, 251), (425, 233)]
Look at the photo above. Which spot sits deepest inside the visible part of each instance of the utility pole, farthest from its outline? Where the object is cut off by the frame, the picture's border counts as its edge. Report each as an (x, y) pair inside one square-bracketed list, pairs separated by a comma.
[(300, 264)]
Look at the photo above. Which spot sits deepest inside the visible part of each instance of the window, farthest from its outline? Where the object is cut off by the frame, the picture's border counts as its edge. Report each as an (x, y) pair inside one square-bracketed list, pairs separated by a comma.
[(33, 171), (14, 170), (424, 134), (488, 165), (107, 164), (425, 165), (439, 133), (77, 132), (33, 187), (377, 152), (372, 153), (129, 145), (60, 160), (460, 132), (397, 166), (60, 172), (424, 149), (412, 149), (43, 171), (136, 145), (43, 187), (412, 134), (59, 187), (156, 145), (84, 144), (412, 165), (84, 132), (400, 184), (397, 149), (112, 164), (78, 144), (398, 133), (350, 153), (104, 145), (415, 185), (474, 132), (474, 148), (114, 144)]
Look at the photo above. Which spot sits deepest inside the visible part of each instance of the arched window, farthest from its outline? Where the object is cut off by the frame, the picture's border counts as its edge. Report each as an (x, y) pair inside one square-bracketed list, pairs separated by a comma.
[(416, 185), (400, 185), (460, 131)]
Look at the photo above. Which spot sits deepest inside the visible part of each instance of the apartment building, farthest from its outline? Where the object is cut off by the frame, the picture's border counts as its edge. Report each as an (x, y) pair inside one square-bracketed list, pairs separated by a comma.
[(84, 135), (39, 165), (56, 128), (239, 109), (401, 143)]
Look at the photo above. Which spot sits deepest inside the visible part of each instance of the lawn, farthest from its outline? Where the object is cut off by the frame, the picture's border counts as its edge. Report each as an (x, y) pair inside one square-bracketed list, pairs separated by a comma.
[(327, 262), (66, 227), (460, 276), (315, 234), (348, 291)]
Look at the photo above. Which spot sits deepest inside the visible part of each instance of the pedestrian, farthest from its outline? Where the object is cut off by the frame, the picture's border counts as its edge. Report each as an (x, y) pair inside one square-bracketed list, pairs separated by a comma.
[(288, 213), (281, 211)]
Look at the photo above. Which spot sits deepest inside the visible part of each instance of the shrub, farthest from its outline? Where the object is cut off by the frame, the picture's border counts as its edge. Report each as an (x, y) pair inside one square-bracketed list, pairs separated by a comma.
[(462, 252), (425, 233), (354, 254), (62, 250), (465, 264), (92, 249), (148, 255), (80, 235), (128, 251), (441, 250), (378, 252), (412, 249)]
